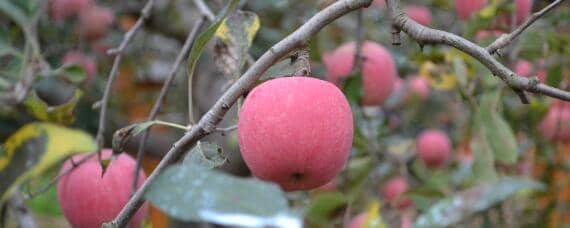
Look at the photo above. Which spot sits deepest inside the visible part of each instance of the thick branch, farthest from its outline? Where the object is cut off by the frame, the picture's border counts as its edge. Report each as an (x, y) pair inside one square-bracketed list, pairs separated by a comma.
[(506, 39), (208, 122), (145, 13), (425, 35)]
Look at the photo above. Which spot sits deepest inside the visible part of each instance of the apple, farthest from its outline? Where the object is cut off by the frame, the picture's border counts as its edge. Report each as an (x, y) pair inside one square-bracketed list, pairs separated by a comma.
[(94, 22), (433, 148), (62, 9), (419, 14), (331, 186), (525, 69), (393, 192), (466, 8), (358, 221), (556, 123), (88, 199), (379, 73), (295, 131), (419, 86), (87, 63)]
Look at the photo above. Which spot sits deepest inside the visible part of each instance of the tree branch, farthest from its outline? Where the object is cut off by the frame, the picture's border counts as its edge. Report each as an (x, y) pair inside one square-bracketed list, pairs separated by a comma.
[(118, 52), (165, 87), (426, 35), (20, 211), (208, 122), (506, 39)]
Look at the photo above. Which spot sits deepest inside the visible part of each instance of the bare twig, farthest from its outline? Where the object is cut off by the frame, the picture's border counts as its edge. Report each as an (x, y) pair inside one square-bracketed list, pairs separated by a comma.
[(208, 122), (358, 58), (20, 211), (118, 52), (204, 9), (165, 87), (425, 35), (506, 39)]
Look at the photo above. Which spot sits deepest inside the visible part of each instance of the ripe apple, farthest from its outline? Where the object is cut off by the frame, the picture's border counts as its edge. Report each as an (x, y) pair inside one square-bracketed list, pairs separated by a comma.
[(419, 86), (62, 9), (87, 63), (419, 14), (358, 221), (393, 191), (379, 71), (94, 22), (433, 148), (89, 199), (295, 131), (466, 8), (331, 186), (556, 123)]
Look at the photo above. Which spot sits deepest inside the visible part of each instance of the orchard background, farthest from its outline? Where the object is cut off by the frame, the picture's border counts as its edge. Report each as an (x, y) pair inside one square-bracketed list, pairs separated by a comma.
[(436, 113)]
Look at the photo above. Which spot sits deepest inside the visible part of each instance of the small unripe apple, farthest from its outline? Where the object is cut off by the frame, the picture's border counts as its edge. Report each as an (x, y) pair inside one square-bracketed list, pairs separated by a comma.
[(62, 9), (419, 14), (393, 192), (433, 148), (420, 87), (379, 71), (556, 123), (466, 8), (87, 63), (88, 199), (94, 22), (358, 221), (295, 131)]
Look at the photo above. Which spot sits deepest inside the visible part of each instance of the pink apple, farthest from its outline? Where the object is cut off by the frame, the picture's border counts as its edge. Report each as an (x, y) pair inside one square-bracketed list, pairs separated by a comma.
[(393, 192), (87, 63), (62, 9), (556, 123), (358, 221), (525, 69), (420, 87), (88, 199), (420, 14), (295, 131), (466, 8), (94, 22), (379, 71), (433, 148)]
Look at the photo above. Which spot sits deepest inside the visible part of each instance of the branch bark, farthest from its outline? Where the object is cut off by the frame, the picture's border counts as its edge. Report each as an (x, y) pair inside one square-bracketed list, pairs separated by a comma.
[(426, 35), (208, 122), (20, 211), (506, 39)]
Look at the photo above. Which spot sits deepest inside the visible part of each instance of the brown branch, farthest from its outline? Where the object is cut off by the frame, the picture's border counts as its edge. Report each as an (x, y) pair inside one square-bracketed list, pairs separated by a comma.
[(118, 52), (426, 35), (208, 122), (165, 87), (506, 39)]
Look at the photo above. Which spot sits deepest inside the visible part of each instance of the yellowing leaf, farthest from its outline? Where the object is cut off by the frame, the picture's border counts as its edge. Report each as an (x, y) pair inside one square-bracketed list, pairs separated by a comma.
[(373, 218), (241, 24), (62, 114), (36, 147), (438, 76)]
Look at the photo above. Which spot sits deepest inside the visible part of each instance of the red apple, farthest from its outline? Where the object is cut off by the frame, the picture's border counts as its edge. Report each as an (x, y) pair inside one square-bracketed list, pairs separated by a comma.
[(433, 148), (379, 71), (89, 199), (87, 63), (358, 221), (393, 192), (62, 9), (295, 131), (331, 186), (419, 86), (466, 8), (94, 22), (556, 123), (419, 14)]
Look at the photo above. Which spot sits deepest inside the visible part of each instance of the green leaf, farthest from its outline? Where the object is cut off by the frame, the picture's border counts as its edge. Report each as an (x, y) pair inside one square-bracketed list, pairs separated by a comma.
[(73, 73), (35, 148), (358, 171), (495, 130), (483, 162), (194, 193), (460, 69), (236, 33), (464, 204), (207, 155), (62, 114), (201, 42), (555, 75), (324, 207), (352, 88)]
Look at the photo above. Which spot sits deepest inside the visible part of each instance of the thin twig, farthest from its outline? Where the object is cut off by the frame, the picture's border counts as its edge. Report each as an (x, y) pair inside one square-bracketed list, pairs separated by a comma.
[(426, 35), (506, 39), (118, 52), (208, 122), (20, 211), (358, 58), (165, 87)]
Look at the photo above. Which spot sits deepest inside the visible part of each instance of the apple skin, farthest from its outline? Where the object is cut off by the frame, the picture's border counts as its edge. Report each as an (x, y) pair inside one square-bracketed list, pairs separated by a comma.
[(94, 22), (466, 8), (88, 199), (420, 87), (433, 148), (358, 221), (59, 10), (419, 14), (393, 191), (556, 123), (296, 132), (87, 63), (379, 73)]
